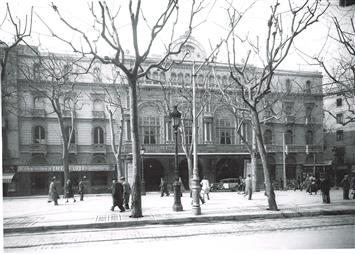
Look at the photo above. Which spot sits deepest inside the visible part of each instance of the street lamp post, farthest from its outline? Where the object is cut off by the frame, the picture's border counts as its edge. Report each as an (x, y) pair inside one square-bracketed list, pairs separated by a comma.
[(142, 151), (176, 117)]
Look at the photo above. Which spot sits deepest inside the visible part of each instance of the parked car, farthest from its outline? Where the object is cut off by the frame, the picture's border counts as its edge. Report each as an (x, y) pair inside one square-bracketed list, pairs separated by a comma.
[(230, 184)]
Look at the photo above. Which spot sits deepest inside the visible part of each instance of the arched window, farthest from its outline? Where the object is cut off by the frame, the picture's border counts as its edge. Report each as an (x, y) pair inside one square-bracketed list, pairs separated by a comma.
[(180, 78), (219, 80), (67, 135), (309, 137), (98, 135), (187, 79), (224, 80), (200, 80), (288, 86), (68, 104), (155, 76), (97, 74), (36, 71), (99, 105), (173, 78), (38, 103), (162, 77), (290, 168), (39, 135), (211, 81), (308, 86), (268, 137), (289, 137)]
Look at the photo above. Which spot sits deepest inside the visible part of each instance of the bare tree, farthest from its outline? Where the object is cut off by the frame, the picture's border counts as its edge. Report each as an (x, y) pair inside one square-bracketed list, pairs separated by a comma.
[(21, 30), (254, 83), (53, 78), (342, 76), (135, 68)]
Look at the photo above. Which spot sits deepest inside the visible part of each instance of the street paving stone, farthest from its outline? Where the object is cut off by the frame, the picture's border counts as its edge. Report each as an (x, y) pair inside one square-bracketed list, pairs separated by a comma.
[(34, 213)]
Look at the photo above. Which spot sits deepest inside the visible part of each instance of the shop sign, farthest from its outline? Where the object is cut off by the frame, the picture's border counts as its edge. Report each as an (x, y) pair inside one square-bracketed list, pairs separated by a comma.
[(60, 168)]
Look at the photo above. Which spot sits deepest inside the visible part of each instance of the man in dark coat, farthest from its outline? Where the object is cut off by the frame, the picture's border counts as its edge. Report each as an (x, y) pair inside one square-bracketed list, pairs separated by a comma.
[(117, 195), (345, 183), (325, 188), (82, 188), (126, 192)]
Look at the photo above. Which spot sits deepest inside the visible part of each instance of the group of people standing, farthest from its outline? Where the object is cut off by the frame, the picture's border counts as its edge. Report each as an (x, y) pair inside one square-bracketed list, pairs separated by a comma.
[(53, 194), (121, 191)]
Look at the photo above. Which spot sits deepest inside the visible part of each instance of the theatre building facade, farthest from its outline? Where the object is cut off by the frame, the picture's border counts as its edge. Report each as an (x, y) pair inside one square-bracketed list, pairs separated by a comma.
[(32, 146)]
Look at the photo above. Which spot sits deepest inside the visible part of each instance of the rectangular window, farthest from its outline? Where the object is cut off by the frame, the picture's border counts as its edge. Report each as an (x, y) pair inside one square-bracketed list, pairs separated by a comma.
[(339, 118), (225, 132), (99, 178), (150, 129), (339, 135), (339, 102)]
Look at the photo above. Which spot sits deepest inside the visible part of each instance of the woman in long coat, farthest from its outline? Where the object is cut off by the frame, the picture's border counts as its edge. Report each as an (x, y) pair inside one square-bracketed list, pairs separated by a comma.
[(53, 193)]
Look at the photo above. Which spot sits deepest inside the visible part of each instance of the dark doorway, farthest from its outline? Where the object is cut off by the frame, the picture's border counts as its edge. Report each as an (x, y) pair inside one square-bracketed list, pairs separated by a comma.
[(184, 173), (153, 171), (228, 168), (39, 183)]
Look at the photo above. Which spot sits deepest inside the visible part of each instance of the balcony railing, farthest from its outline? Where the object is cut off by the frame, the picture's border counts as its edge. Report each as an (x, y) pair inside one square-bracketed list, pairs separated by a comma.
[(39, 148), (99, 148), (272, 148), (38, 113), (310, 120), (67, 114), (313, 149), (98, 114), (290, 119), (73, 148)]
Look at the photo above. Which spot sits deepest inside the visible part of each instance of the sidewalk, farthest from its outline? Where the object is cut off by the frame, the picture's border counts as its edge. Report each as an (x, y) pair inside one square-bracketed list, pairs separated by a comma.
[(33, 214)]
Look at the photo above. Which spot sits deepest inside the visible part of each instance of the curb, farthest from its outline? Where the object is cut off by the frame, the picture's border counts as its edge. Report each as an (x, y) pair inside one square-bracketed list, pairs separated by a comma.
[(197, 219)]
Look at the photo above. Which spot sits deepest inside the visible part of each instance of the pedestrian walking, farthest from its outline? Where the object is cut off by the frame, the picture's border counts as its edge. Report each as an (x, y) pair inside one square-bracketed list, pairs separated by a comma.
[(53, 193), (82, 188), (126, 192), (69, 192), (241, 187), (325, 188), (117, 195), (205, 188), (248, 187), (163, 188), (345, 183), (281, 184)]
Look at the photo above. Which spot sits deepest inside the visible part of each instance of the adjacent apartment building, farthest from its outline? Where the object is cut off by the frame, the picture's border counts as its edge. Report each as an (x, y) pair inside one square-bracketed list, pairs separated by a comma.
[(32, 152)]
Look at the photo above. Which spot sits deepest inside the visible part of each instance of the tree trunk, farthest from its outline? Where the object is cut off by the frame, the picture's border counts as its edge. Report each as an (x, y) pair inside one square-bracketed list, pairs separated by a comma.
[(137, 176), (189, 169), (253, 162), (268, 185)]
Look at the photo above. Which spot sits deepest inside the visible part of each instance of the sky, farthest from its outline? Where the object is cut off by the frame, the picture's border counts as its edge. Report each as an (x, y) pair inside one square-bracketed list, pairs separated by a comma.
[(212, 26)]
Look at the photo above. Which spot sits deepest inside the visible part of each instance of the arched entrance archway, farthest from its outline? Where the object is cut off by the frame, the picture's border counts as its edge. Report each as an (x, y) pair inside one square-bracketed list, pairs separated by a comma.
[(228, 168), (184, 173), (153, 171)]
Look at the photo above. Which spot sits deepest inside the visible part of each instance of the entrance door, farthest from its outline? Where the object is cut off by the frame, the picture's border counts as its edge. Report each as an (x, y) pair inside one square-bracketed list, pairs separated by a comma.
[(153, 171), (228, 168)]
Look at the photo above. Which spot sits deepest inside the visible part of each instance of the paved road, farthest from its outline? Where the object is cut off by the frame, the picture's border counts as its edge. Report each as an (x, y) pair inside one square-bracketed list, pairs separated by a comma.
[(307, 232)]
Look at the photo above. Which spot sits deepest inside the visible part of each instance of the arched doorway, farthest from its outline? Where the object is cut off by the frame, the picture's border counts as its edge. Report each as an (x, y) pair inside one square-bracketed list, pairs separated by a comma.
[(228, 168), (184, 173), (153, 171)]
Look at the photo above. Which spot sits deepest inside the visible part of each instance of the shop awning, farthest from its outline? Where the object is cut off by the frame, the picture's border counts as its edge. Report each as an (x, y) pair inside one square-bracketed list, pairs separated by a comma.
[(53, 168), (7, 177)]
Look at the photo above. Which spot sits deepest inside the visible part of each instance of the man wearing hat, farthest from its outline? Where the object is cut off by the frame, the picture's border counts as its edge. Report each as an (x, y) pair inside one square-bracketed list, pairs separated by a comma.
[(117, 195), (126, 192), (82, 188), (53, 193)]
